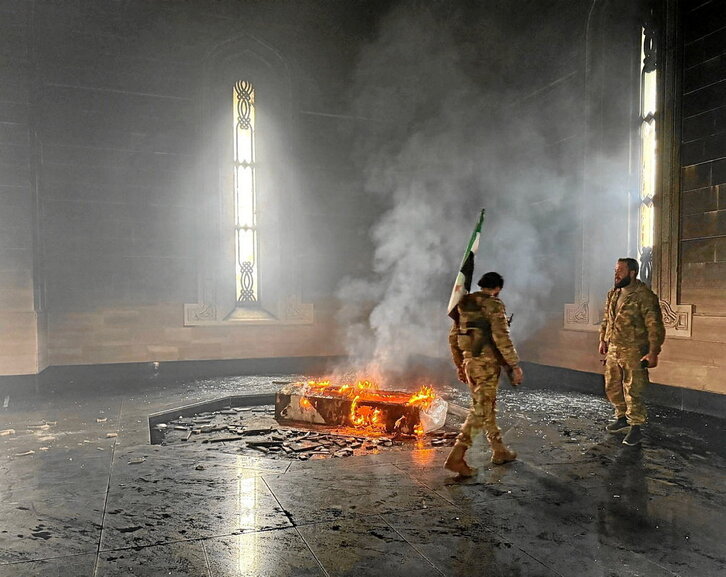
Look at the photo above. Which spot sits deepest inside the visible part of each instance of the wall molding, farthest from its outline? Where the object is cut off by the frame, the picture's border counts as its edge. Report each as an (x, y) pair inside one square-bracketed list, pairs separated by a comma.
[(678, 319)]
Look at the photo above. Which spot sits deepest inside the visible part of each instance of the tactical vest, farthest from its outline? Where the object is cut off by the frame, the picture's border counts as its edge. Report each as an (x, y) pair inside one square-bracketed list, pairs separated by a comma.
[(475, 330)]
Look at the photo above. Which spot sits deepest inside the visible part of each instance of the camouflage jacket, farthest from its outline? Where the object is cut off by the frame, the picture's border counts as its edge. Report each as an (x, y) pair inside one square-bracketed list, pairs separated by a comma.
[(637, 323), (496, 342)]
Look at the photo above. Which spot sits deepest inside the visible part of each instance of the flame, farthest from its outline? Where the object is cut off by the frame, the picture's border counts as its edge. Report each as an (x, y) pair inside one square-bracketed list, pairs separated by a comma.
[(423, 397), (365, 416), (361, 414)]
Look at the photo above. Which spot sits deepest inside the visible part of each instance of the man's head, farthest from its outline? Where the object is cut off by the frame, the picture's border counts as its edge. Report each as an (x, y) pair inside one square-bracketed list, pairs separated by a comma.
[(626, 271), (491, 283)]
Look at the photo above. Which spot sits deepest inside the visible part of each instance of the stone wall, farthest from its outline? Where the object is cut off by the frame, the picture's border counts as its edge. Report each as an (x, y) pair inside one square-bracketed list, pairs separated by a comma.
[(105, 223), (703, 158), (18, 319), (155, 333), (697, 362)]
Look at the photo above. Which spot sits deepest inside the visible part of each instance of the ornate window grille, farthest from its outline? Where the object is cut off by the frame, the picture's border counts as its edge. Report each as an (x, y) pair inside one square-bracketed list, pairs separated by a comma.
[(245, 195), (648, 122)]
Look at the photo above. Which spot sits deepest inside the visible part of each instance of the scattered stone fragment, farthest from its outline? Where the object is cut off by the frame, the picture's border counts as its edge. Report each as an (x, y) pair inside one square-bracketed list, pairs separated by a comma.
[(222, 439), (6, 432), (257, 432), (304, 446), (39, 426), (31, 452), (200, 467), (264, 443), (111, 435), (137, 460), (101, 420)]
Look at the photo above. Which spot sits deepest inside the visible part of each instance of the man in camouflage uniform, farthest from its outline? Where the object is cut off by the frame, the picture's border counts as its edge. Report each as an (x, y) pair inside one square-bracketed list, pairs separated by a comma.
[(631, 336), (480, 346)]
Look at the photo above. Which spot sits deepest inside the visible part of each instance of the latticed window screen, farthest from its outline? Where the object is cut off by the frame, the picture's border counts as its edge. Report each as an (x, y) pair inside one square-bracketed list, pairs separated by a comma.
[(245, 201), (648, 150)]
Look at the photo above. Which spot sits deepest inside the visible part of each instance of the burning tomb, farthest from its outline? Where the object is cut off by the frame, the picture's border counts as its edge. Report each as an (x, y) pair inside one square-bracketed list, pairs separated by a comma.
[(362, 406)]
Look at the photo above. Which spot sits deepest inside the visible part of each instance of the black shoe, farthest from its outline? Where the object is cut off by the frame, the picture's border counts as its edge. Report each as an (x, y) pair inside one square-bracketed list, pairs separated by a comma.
[(633, 437), (617, 426)]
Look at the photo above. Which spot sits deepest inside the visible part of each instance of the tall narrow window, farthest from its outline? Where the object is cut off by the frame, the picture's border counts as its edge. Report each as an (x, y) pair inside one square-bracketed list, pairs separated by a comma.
[(648, 151), (245, 201)]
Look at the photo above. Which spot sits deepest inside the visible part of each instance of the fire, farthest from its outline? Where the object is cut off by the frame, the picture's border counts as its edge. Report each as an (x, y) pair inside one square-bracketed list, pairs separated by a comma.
[(361, 414), (423, 397), (365, 416)]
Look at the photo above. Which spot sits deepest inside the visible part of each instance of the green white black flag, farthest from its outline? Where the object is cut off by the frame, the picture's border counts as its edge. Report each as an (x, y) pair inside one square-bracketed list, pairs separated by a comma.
[(462, 285)]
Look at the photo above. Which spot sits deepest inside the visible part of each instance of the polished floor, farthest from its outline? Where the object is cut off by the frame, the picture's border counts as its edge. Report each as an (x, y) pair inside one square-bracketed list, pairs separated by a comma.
[(93, 498)]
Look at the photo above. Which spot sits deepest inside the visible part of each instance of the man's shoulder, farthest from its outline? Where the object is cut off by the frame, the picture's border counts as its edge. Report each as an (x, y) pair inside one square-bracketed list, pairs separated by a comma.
[(493, 304), (643, 291), (480, 301)]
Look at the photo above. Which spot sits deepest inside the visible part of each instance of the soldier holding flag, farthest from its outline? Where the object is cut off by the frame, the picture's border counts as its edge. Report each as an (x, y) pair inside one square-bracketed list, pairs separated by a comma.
[(480, 346)]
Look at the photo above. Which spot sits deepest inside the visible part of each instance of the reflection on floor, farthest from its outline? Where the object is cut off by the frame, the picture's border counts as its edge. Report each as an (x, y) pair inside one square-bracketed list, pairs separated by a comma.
[(93, 498)]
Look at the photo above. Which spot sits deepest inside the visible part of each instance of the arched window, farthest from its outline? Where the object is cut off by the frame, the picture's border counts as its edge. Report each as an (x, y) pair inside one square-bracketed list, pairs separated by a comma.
[(245, 194), (247, 254), (649, 128)]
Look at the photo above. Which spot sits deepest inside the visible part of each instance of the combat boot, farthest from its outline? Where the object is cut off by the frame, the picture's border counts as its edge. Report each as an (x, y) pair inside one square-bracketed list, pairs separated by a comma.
[(620, 424), (455, 461), (634, 436), (500, 453)]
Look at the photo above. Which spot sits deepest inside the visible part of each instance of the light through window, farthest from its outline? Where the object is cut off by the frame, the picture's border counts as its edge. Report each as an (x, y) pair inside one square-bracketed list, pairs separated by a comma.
[(245, 201), (648, 152)]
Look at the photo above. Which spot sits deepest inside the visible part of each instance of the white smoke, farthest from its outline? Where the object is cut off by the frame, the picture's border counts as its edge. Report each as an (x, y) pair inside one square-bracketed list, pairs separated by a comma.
[(451, 135)]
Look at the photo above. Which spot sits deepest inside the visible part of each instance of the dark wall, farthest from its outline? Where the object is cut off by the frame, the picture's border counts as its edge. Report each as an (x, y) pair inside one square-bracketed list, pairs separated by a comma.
[(16, 190), (703, 156), (121, 137)]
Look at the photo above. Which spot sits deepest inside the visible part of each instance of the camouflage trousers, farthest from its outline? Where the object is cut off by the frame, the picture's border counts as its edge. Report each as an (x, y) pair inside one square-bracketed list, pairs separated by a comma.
[(483, 379), (625, 383)]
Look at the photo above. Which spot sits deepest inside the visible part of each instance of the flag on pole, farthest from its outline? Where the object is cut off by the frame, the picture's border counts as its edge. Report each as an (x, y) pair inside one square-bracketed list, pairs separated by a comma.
[(462, 285)]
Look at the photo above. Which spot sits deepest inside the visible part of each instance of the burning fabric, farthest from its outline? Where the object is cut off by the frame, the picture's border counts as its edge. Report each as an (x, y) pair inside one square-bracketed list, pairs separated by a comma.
[(361, 405)]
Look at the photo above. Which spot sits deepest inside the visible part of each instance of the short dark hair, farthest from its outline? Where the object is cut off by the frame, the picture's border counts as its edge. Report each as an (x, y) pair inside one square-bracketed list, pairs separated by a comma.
[(632, 264), (491, 280)]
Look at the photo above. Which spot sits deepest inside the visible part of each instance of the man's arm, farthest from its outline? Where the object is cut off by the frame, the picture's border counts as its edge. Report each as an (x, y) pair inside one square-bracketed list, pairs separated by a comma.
[(503, 341), (604, 325), (456, 353), (500, 334), (653, 319)]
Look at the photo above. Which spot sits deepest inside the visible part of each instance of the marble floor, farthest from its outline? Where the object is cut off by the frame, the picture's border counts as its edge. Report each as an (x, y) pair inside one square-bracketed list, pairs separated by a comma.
[(94, 498)]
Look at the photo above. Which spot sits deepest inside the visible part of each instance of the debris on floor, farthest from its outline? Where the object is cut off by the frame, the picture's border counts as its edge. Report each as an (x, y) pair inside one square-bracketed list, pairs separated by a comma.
[(254, 430)]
